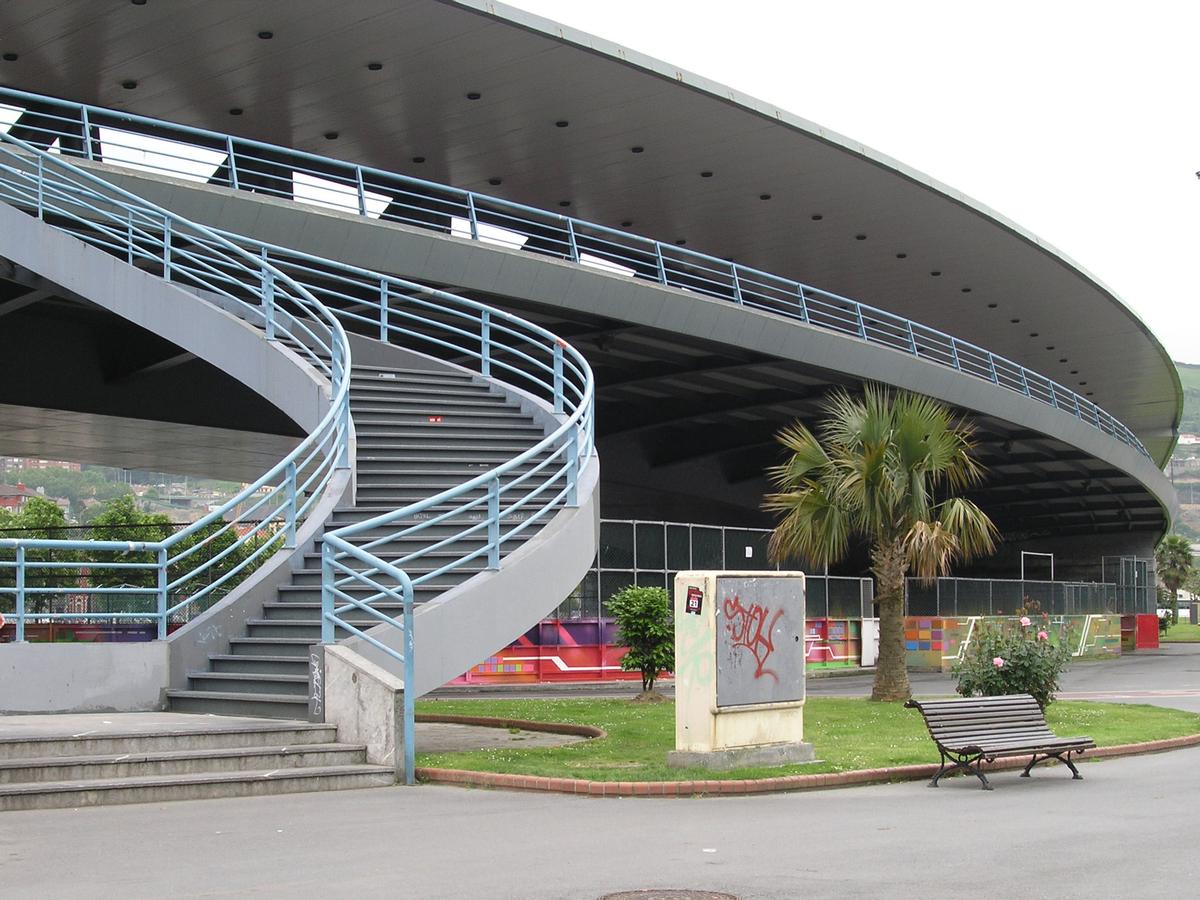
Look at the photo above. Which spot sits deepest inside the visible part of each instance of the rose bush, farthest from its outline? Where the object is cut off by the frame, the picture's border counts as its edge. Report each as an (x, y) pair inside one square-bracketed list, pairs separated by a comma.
[(1011, 658)]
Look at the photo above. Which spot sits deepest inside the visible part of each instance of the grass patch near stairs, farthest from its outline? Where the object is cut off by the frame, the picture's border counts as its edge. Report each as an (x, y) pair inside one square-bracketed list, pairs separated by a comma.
[(846, 734)]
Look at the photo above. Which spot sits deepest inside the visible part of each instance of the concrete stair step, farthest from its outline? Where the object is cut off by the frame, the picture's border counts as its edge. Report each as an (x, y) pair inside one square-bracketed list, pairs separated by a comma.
[(399, 373), (266, 665), (196, 786), (266, 646), (305, 610), (239, 703), (178, 762), (188, 738), (250, 682)]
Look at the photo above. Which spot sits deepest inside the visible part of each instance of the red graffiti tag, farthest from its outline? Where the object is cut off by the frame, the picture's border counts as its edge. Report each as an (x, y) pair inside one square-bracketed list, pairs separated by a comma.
[(748, 626)]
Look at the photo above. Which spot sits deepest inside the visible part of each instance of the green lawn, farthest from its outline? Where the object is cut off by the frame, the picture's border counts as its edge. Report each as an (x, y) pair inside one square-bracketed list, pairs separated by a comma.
[(846, 734), (1182, 633)]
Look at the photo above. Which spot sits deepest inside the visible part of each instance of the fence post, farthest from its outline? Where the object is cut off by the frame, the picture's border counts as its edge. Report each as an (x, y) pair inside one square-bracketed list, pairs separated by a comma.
[(558, 377), (233, 179), (485, 343), (268, 297), (326, 593), (162, 593), (166, 257), (471, 219), (573, 466), (289, 534), (409, 678), (383, 310), (20, 593), (574, 247), (493, 506), (87, 132)]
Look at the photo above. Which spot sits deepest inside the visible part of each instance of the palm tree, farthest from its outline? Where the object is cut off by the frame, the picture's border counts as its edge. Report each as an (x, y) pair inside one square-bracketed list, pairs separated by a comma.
[(1173, 559), (884, 468)]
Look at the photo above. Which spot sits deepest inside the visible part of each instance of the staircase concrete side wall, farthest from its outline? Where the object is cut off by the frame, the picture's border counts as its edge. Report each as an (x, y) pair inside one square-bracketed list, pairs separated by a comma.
[(55, 678)]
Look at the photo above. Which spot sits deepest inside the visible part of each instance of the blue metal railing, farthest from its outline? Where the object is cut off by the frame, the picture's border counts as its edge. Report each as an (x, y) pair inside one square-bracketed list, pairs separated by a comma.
[(298, 299), (152, 145), (160, 580)]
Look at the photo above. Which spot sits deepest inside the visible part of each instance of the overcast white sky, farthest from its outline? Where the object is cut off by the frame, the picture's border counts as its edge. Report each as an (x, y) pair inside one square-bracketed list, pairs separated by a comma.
[(1078, 120)]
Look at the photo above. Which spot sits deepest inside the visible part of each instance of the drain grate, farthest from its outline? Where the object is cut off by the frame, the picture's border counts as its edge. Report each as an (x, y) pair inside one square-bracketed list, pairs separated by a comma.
[(669, 894)]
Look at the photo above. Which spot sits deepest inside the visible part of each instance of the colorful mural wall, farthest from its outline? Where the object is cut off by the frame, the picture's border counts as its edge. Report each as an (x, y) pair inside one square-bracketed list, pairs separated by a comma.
[(937, 642)]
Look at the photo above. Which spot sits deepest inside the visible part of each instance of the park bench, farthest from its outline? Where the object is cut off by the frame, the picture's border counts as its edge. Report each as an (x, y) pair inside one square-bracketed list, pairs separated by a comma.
[(972, 729)]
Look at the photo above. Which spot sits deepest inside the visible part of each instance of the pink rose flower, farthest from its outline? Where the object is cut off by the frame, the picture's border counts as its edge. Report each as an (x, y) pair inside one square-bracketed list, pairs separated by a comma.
[(1024, 621), (1042, 636), (998, 662)]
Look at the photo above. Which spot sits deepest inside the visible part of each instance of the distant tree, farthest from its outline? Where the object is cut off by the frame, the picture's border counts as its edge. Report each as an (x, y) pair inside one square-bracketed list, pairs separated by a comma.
[(645, 625), (1173, 559), (44, 520), (885, 467)]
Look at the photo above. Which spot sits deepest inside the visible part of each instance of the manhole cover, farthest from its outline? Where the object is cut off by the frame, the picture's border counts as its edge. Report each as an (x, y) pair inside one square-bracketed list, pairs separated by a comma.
[(668, 895)]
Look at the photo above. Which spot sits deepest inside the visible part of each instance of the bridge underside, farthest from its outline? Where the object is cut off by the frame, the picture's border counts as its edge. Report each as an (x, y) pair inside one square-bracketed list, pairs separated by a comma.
[(78, 382)]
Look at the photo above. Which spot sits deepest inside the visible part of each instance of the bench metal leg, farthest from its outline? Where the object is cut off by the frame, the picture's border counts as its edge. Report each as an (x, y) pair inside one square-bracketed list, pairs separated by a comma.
[(965, 763), (1062, 757)]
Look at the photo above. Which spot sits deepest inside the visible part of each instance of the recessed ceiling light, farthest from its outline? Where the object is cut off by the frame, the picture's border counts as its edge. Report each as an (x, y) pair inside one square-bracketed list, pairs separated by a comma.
[(1074, 371), (817, 217), (764, 196), (1082, 383), (965, 290), (11, 57), (235, 111), (706, 174), (681, 242), (564, 202), (935, 273), (495, 181), (1064, 359), (901, 256), (265, 35), (474, 95), (1014, 321), (1049, 346), (138, 2), (331, 135), (561, 123), (129, 85), (638, 149), (1033, 334), (418, 159), (374, 66), (993, 305), (1091, 393), (860, 237), (626, 223)]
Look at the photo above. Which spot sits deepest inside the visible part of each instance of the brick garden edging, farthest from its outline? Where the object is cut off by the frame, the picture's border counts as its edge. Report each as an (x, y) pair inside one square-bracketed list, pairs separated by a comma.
[(751, 786)]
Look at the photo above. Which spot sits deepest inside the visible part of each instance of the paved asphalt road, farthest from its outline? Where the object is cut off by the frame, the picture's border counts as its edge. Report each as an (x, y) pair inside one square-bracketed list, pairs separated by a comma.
[(1115, 834)]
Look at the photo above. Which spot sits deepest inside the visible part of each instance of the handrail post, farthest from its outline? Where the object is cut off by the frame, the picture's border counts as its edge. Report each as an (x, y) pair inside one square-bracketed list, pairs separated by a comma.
[(992, 367), (20, 593), (268, 297), (803, 304), (129, 237), (162, 593), (912, 339), (954, 353), (493, 506), (383, 310), (86, 124), (573, 466), (166, 248), (485, 344), (862, 325), (471, 218), (343, 461), (362, 192), (233, 178), (558, 378), (409, 679), (737, 285), (326, 593), (289, 534), (574, 248), (41, 189), (662, 266)]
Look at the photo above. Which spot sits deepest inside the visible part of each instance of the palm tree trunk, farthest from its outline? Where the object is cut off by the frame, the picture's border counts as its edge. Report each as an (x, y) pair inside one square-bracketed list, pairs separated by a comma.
[(891, 672)]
